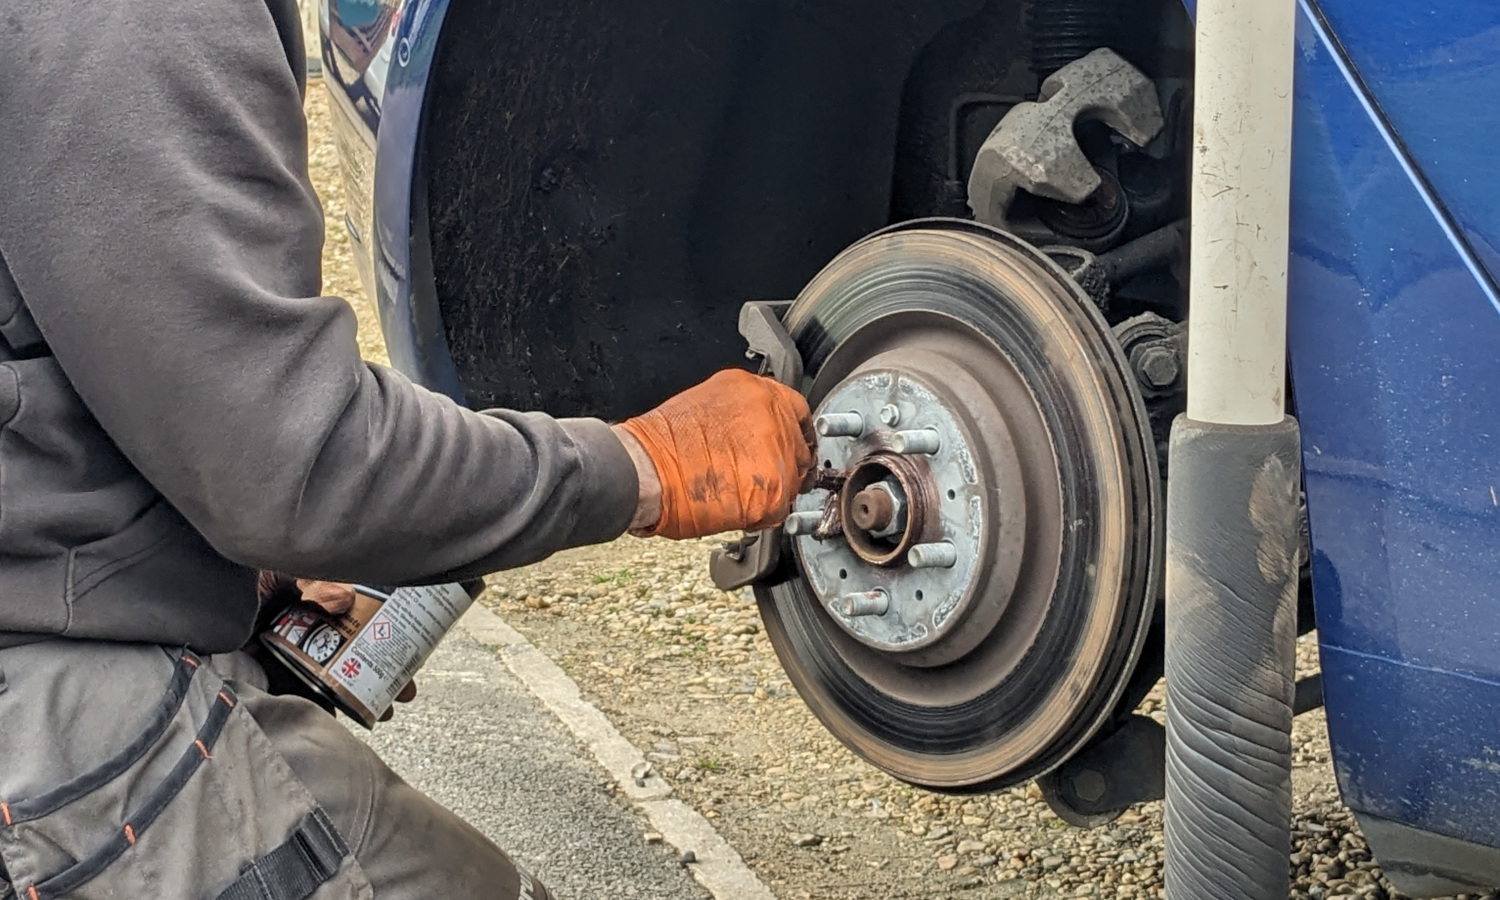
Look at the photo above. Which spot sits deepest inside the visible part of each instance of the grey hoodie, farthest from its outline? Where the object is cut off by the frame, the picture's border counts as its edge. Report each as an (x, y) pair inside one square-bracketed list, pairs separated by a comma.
[(178, 405)]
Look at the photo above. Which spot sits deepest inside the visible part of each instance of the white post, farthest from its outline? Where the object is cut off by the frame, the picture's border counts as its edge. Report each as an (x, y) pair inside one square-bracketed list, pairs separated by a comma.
[(1242, 143), (1233, 536)]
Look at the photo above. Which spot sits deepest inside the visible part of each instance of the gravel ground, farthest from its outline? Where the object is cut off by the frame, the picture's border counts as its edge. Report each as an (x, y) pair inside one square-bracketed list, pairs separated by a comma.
[(686, 673)]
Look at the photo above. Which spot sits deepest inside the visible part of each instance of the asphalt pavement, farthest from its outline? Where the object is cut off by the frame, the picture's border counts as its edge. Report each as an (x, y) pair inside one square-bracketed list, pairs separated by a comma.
[(481, 744)]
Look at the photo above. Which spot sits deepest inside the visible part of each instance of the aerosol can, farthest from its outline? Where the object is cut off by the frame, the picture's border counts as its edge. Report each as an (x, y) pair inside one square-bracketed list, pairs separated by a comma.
[(360, 660)]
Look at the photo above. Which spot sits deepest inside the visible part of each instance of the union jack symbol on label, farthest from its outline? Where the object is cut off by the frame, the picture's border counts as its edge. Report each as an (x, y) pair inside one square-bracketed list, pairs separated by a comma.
[(350, 667)]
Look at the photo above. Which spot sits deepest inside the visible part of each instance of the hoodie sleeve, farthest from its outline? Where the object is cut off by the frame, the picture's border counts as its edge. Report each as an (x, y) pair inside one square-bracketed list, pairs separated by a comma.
[(161, 229)]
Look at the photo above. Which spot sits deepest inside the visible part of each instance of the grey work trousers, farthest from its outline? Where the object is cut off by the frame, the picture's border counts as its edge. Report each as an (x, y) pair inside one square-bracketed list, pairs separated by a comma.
[(131, 770)]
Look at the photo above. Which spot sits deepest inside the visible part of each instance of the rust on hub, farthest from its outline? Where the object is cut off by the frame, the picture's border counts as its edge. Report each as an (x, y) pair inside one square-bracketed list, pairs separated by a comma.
[(882, 520)]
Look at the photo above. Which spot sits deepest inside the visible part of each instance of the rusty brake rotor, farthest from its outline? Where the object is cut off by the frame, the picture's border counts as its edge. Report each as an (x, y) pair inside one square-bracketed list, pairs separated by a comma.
[(978, 616)]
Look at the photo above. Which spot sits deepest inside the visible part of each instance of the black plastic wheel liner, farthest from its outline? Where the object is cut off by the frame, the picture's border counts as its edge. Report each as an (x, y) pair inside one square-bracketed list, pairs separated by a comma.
[(608, 182), (1020, 721)]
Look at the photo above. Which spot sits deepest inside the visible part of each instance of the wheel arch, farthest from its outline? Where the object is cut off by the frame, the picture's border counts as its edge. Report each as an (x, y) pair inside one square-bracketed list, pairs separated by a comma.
[(605, 186)]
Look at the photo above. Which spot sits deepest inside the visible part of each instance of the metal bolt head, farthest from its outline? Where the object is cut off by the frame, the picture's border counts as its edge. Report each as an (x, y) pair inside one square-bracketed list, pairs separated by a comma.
[(1089, 785), (873, 508), (879, 509), (865, 603), (1158, 367), (890, 415), (849, 424)]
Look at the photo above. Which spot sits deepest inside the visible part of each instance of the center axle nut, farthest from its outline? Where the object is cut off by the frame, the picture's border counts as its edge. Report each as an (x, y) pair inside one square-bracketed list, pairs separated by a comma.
[(879, 509), (885, 504)]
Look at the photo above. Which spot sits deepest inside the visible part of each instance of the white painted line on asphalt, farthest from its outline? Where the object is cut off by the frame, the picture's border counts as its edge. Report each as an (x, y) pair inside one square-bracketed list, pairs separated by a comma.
[(719, 868)]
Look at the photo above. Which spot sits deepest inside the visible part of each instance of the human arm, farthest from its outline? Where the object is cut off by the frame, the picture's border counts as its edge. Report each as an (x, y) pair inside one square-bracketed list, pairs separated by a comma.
[(158, 222)]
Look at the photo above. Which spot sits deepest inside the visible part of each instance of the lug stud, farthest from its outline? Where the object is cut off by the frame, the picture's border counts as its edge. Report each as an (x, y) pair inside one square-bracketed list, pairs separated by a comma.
[(941, 555), (865, 603), (925, 440), (849, 424), (890, 416), (802, 522)]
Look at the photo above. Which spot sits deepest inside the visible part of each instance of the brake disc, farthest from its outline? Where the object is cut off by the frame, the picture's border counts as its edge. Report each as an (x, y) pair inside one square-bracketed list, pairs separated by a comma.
[(976, 619)]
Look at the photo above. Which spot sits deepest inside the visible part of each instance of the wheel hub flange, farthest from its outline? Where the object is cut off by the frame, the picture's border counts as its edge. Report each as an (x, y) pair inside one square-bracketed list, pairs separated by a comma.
[(892, 502)]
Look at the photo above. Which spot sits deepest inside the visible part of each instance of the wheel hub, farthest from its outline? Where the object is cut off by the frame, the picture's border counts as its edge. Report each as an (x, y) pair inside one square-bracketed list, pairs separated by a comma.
[(973, 594), (915, 510)]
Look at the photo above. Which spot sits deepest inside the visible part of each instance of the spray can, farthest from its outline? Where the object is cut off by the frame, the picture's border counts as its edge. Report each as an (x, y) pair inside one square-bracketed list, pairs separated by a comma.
[(360, 660)]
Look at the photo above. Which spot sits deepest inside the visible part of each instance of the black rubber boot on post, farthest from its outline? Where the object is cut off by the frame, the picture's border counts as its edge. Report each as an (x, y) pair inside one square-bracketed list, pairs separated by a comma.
[(1233, 545)]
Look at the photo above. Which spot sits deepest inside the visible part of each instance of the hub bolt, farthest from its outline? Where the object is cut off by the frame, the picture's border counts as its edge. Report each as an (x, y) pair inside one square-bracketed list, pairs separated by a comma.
[(890, 416), (849, 424), (802, 522), (1089, 785), (865, 603), (942, 555), (925, 440), (1158, 367)]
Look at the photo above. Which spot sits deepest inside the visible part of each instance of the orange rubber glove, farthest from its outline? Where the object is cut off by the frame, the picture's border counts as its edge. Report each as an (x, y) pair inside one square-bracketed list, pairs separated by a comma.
[(731, 453)]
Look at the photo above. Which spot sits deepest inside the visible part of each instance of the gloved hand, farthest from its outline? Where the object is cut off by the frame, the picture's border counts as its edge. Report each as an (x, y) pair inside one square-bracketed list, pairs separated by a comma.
[(730, 453)]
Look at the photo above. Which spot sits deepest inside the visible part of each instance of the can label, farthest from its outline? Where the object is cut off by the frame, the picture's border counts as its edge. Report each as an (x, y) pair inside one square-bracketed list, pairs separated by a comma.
[(394, 643), (363, 658)]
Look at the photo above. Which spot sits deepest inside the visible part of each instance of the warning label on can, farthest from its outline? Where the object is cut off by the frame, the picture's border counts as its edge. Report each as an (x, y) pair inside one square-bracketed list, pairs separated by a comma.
[(391, 647)]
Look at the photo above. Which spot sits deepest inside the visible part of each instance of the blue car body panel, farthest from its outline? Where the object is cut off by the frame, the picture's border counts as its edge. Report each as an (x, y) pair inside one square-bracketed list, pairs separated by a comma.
[(1395, 346), (1434, 70), (1394, 332), (378, 136), (420, 347)]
